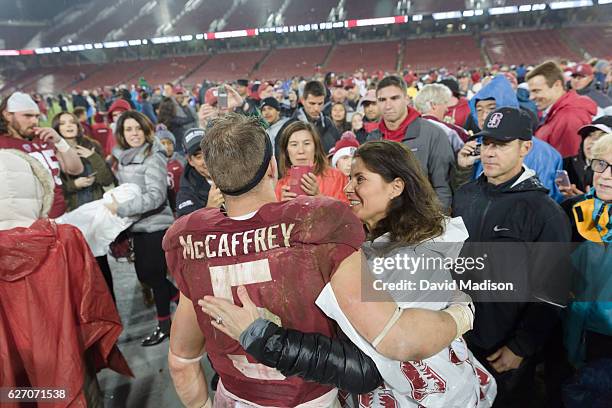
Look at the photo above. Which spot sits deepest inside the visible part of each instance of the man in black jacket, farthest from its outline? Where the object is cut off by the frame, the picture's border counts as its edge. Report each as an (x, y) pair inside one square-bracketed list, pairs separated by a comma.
[(197, 189), (312, 104), (508, 205)]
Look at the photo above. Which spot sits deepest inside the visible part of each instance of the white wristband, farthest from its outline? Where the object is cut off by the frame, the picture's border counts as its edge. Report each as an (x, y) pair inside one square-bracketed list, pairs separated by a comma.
[(463, 316), (62, 146)]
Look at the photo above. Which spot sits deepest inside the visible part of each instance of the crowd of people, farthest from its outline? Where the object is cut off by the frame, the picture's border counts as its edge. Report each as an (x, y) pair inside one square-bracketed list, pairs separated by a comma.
[(321, 172)]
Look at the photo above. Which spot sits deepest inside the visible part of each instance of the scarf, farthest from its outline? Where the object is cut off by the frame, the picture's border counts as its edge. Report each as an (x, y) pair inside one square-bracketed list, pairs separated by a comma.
[(128, 155), (398, 134), (594, 218)]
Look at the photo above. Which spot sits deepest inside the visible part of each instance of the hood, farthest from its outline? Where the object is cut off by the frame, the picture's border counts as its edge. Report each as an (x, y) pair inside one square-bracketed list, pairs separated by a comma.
[(23, 250), (527, 181), (571, 100), (300, 114), (139, 154), (119, 104), (26, 193), (499, 89)]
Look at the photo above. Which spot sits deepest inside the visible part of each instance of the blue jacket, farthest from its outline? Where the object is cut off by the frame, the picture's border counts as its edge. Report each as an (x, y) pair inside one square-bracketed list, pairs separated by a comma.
[(543, 158), (592, 309)]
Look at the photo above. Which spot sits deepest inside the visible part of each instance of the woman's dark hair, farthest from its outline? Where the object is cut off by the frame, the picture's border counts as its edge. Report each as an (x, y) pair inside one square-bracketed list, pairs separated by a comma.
[(145, 125), (342, 125), (416, 214), (167, 112), (284, 163), (4, 128), (81, 138)]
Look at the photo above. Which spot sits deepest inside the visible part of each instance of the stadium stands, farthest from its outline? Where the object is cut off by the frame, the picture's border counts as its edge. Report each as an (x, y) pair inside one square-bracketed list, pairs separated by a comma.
[(286, 62), (14, 36), (199, 19), (147, 25), (170, 69), (227, 66), (529, 47), (594, 40), (450, 52), (312, 11), (371, 56), (367, 9), (252, 14)]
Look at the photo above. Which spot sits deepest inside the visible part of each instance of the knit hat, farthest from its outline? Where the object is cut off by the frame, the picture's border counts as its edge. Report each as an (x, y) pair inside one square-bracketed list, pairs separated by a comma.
[(346, 146), (272, 102), (165, 134)]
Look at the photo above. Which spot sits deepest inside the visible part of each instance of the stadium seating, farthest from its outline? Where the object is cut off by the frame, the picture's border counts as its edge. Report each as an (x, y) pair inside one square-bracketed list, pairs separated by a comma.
[(357, 9), (114, 74), (529, 47), (65, 78), (372, 56), (170, 69), (147, 25), (15, 36), (286, 62), (199, 19), (252, 14), (594, 40), (226, 66), (450, 52), (312, 11)]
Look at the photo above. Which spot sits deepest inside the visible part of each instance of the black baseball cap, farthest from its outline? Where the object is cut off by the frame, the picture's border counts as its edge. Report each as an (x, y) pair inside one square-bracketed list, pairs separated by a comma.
[(193, 138), (271, 102), (242, 82), (603, 123), (506, 125)]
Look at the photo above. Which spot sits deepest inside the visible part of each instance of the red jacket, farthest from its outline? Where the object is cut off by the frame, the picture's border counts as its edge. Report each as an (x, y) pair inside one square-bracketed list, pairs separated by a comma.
[(53, 311), (459, 113), (566, 116)]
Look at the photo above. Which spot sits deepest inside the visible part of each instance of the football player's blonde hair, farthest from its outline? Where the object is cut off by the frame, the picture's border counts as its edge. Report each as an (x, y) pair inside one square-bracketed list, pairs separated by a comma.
[(233, 149)]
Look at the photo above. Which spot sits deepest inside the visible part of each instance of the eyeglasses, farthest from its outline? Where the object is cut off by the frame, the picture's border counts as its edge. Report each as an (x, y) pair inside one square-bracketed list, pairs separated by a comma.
[(599, 166)]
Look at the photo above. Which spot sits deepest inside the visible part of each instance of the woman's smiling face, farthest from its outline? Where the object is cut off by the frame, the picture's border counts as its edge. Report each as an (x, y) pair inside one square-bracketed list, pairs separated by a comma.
[(368, 193)]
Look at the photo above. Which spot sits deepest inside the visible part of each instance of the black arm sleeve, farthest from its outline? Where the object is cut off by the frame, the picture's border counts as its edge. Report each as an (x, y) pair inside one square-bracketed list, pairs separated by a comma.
[(317, 358)]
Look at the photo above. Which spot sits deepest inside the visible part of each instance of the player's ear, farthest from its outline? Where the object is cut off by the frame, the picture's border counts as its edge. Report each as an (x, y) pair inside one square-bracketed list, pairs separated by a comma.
[(272, 169)]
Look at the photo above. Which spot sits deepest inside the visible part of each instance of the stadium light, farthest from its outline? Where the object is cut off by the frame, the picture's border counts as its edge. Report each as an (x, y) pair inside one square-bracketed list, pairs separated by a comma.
[(558, 5), (525, 7), (494, 11), (468, 13), (417, 17), (604, 1), (446, 15), (538, 7)]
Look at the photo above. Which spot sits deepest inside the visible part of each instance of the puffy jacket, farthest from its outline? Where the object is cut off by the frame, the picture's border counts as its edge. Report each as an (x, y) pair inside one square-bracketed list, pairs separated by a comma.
[(193, 192), (601, 99), (433, 150), (312, 356), (518, 211), (145, 166), (566, 116)]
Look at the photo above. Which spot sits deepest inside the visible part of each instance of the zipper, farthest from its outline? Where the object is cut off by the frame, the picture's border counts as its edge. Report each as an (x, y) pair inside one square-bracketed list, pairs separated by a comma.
[(483, 217)]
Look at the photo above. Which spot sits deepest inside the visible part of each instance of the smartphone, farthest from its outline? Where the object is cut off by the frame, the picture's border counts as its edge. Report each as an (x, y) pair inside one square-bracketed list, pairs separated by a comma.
[(222, 97), (562, 179), (295, 178), (476, 151)]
